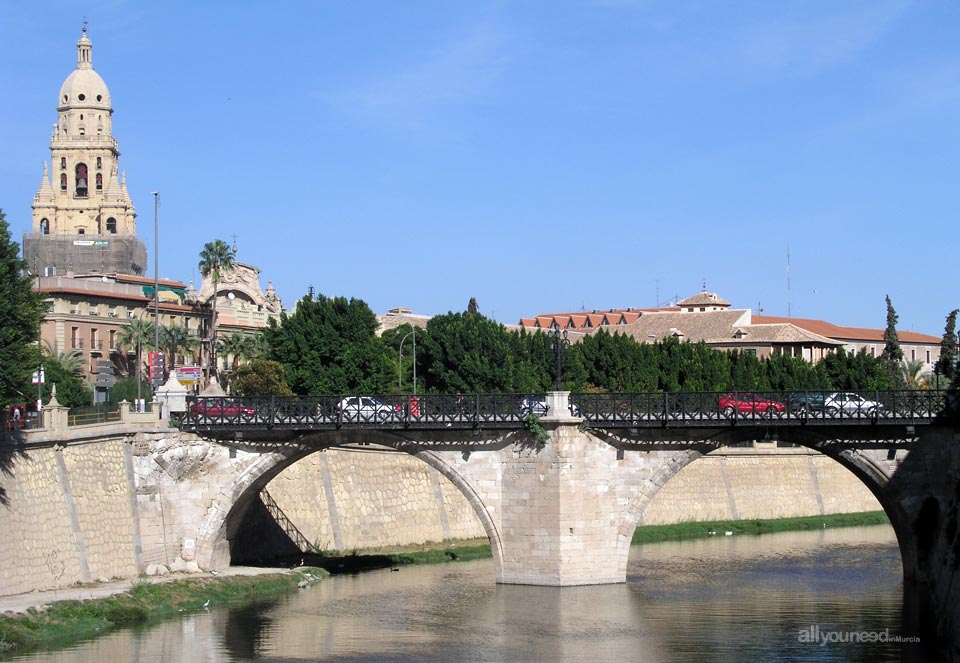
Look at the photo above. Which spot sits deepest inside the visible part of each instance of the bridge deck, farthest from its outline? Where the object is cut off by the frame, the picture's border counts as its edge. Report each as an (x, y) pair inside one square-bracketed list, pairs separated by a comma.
[(893, 409)]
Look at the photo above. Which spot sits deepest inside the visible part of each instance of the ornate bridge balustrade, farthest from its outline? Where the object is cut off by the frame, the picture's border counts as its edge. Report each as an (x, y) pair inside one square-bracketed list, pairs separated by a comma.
[(603, 410)]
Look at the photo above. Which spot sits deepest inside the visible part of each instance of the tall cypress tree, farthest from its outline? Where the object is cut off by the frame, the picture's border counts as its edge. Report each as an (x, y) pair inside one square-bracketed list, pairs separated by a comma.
[(947, 364), (21, 310), (892, 352)]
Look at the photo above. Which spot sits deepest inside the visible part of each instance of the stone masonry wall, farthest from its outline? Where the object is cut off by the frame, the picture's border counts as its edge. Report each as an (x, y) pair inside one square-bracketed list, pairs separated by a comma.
[(746, 484), (67, 517), (343, 500)]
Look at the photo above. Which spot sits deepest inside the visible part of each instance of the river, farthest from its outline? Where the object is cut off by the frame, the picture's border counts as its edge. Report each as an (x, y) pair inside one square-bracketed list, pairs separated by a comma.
[(775, 597)]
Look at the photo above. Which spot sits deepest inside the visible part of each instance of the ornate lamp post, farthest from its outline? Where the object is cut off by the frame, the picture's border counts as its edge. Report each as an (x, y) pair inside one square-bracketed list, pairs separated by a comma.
[(400, 362), (559, 343)]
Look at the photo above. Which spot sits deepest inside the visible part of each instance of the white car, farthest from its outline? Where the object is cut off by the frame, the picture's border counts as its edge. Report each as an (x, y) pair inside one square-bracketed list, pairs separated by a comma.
[(364, 408), (849, 402)]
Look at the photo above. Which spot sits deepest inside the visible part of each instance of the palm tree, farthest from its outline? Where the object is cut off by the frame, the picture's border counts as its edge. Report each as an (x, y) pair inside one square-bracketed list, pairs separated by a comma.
[(72, 361), (914, 373), (175, 339), (240, 345), (132, 334), (215, 259)]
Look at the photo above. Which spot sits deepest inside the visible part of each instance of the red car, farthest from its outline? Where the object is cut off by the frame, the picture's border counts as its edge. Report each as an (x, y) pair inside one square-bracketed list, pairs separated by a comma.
[(748, 403), (220, 408)]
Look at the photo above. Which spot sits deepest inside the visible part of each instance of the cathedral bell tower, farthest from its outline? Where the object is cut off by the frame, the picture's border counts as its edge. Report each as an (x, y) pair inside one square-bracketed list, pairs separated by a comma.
[(83, 218)]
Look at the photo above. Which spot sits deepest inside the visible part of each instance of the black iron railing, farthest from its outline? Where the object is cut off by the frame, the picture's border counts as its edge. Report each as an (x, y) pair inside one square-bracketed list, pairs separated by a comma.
[(607, 410)]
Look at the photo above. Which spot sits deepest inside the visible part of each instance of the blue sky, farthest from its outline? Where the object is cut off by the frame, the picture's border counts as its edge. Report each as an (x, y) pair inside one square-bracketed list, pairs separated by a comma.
[(539, 156)]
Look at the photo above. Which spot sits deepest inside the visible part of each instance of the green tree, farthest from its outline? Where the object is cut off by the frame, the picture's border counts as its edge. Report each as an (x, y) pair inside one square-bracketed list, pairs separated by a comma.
[(467, 353), (64, 371), (133, 337), (215, 259), (329, 345), (892, 352), (947, 363), (176, 340), (21, 310), (261, 377)]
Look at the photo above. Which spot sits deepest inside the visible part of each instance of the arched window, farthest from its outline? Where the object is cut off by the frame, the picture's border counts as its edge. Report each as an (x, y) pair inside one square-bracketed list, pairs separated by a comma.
[(44, 226), (99, 163), (81, 173), (99, 181), (63, 181), (63, 163), (112, 226)]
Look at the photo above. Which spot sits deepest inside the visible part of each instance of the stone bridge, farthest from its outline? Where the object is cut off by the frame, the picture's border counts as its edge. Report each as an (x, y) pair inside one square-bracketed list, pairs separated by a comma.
[(559, 512)]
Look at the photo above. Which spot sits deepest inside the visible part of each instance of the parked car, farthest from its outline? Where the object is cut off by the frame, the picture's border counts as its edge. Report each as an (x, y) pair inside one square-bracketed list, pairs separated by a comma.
[(365, 408), (805, 401), (748, 403), (849, 402), (533, 405), (219, 408)]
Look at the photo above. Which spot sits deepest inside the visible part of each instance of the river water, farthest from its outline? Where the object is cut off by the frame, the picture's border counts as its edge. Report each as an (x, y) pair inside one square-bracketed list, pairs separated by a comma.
[(739, 598)]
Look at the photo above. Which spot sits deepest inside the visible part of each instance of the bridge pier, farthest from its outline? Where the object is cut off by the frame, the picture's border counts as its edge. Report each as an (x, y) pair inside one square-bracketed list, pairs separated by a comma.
[(563, 523)]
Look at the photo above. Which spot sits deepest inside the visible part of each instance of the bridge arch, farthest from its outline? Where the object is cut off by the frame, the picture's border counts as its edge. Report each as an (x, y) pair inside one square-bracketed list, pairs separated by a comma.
[(239, 493), (871, 466)]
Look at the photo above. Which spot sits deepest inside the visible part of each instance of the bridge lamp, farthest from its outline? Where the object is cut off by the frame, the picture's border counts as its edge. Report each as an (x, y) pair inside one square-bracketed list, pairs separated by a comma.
[(558, 344), (400, 361)]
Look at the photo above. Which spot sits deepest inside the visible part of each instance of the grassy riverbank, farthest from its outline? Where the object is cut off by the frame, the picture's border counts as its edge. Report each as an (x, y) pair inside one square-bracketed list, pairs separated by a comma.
[(145, 601), (701, 530)]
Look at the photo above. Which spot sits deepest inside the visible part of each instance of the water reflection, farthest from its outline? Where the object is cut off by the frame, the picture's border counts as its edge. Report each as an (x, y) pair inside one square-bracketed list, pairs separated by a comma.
[(720, 599)]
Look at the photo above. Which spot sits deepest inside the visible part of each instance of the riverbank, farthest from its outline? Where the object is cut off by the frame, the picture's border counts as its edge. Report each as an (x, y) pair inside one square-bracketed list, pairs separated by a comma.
[(434, 553), (132, 602), (702, 530)]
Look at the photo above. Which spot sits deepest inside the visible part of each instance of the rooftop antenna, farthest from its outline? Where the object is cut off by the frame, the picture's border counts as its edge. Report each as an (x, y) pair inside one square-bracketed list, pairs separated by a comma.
[(788, 281)]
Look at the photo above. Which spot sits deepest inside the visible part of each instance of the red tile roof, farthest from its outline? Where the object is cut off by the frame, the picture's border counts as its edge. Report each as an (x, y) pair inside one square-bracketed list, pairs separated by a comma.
[(846, 333)]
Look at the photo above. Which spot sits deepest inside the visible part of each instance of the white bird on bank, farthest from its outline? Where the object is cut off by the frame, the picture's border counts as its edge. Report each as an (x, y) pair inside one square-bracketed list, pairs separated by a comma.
[(206, 606)]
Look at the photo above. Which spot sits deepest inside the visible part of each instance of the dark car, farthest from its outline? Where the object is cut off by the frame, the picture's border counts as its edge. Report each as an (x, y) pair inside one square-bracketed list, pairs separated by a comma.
[(748, 403), (805, 401), (219, 408)]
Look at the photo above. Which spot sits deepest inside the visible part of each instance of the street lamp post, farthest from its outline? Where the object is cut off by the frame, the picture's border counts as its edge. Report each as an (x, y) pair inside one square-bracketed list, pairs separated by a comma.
[(400, 362), (156, 272), (558, 344)]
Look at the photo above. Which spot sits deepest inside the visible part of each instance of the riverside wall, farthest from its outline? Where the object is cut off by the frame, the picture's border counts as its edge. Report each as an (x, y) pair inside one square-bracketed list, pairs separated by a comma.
[(83, 512), (344, 499)]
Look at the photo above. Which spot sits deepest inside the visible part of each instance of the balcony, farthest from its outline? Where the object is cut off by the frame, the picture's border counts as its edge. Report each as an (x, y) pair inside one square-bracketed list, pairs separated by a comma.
[(96, 347)]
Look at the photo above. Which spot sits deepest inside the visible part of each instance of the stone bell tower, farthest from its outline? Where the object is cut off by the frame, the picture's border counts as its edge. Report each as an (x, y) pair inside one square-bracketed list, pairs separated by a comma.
[(83, 218)]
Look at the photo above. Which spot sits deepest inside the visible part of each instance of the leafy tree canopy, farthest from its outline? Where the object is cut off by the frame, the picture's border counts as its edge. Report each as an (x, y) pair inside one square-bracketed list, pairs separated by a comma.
[(21, 310), (329, 345)]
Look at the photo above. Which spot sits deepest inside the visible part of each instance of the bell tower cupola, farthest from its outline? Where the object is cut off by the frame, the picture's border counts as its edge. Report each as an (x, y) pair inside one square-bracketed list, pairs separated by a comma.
[(82, 202)]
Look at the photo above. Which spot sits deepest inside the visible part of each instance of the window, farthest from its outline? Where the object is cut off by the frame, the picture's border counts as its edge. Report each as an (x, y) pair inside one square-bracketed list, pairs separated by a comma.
[(913, 354), (99, 163), (111, 226), (81, 231), (44, 226), (99, 181), (113, 339), (63, 181), (63, 163), (81, 180), (750, 351), (928, 356), (75, 340)]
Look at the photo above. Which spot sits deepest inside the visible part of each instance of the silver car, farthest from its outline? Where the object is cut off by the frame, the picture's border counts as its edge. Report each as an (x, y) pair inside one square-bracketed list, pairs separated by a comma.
[(852, 403)]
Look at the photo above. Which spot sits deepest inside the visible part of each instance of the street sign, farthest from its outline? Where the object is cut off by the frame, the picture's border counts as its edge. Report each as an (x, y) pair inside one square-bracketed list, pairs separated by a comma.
[(188, 375), (156, 366), (38, 377)]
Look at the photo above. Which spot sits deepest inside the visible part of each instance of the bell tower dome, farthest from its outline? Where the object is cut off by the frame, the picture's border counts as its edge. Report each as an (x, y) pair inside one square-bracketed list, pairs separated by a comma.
[(83, 218)]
